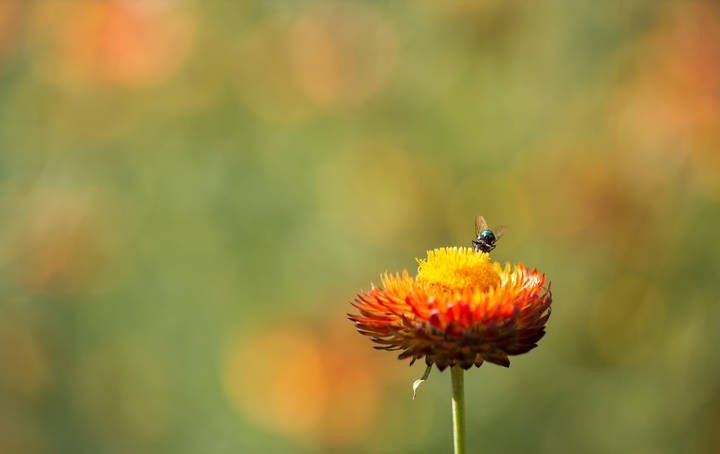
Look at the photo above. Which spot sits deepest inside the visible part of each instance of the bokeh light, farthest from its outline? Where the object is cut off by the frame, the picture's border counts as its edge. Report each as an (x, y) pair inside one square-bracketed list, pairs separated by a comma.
[(125, 43), (54, 240), (342, 54), (319, 386), (11, 19)]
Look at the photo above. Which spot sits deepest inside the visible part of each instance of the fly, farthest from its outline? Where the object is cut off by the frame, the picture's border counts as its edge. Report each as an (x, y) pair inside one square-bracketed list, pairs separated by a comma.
[(484, 237)]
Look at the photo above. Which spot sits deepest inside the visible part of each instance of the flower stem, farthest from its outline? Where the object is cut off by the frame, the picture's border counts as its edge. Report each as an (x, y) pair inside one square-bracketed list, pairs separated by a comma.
[(458, 409)]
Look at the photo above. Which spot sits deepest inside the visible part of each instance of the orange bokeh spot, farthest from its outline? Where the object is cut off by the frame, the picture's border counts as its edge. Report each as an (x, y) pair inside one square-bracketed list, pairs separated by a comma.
[(330, 56), (277, 379), (354, 386), (342, 55), (673, 94), (10, 19), (122, 43), (671, 101), (306, 385), (56, 242)]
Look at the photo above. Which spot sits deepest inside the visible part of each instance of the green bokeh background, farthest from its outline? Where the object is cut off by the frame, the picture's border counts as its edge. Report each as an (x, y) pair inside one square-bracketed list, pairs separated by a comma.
[(191, 192)]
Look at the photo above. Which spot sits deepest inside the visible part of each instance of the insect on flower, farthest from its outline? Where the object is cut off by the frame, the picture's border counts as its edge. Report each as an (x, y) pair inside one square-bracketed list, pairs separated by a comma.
[(484, 237), (460, 310)]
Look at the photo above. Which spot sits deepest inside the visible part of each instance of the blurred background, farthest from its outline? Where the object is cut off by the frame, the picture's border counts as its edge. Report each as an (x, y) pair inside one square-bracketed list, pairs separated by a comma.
[(191, 192)]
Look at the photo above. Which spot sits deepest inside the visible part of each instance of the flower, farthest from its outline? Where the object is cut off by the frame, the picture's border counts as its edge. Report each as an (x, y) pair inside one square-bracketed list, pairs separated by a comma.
[(460, 309)]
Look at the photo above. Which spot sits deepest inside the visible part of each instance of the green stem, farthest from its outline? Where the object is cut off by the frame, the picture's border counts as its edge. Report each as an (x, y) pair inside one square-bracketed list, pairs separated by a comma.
[(458, 409)]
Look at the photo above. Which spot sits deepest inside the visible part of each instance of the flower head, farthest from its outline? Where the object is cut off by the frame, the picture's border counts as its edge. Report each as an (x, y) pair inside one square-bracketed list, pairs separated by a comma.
[(461, 309)]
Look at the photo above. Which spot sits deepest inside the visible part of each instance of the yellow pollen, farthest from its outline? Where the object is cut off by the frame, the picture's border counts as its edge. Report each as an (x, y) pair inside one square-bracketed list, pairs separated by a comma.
[(456, 268)]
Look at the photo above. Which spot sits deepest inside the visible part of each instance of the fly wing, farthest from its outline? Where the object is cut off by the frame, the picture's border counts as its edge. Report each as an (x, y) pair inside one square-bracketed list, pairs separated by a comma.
[(480, 225), (499, 231)]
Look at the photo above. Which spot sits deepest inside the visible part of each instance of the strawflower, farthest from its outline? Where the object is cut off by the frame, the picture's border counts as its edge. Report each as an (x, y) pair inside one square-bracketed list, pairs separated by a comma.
[(460, 310)]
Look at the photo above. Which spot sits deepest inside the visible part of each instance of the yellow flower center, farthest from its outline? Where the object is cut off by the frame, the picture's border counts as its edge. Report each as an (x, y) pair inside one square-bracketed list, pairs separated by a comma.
[(456, 268)]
